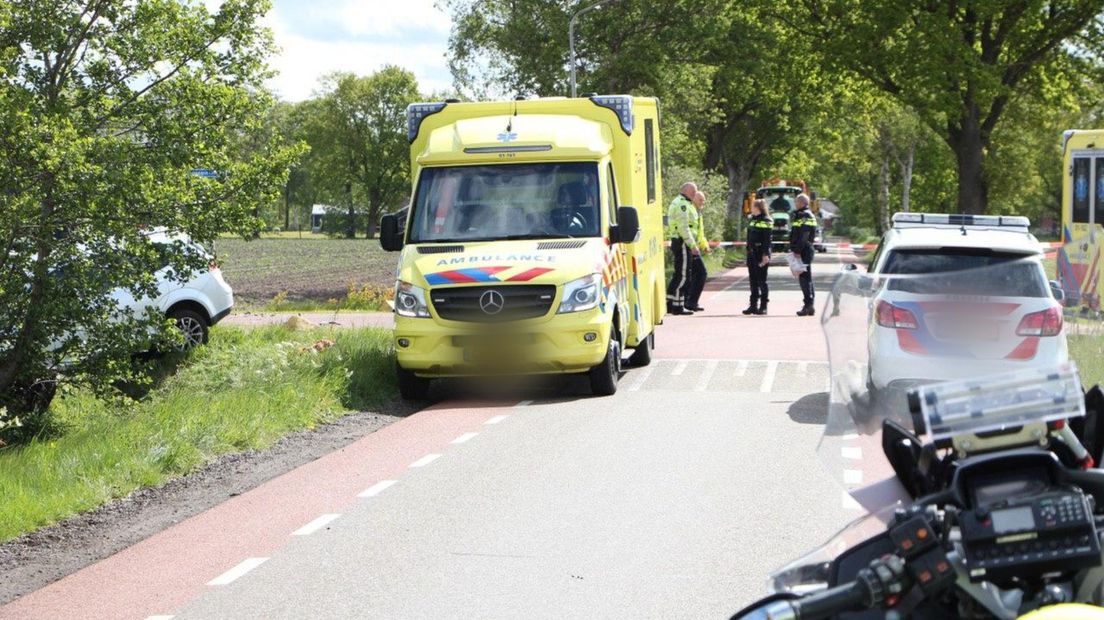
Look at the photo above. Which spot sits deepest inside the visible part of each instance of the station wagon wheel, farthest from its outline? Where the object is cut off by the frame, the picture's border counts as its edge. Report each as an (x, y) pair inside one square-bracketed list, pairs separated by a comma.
[(193, 327)]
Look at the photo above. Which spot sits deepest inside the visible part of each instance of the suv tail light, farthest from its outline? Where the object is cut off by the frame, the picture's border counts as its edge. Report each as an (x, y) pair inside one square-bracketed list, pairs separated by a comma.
[(1045, 323), (895, 317)]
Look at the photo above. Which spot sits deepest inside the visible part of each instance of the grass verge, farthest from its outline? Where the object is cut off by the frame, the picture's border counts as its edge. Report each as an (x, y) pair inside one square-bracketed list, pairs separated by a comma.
[(244, 391), (1087, 349)]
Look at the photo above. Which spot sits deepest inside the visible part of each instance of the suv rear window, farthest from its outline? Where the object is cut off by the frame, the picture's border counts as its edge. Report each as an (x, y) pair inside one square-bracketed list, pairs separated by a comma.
[(990, 273)]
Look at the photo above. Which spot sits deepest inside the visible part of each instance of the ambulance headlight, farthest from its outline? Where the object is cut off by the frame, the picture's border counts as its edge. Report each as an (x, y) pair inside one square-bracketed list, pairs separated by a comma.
[(410, 300), (581, 294)]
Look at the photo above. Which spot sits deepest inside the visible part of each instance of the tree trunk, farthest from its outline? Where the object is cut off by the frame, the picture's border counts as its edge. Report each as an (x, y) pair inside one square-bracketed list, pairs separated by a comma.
[(969, 147), (738, 178), (287, 205), (883, 195), (906, 176), (350, 227)]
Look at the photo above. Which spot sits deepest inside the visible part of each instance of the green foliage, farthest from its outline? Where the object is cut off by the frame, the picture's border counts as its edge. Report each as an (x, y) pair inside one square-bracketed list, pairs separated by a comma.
[(244, 391), (959, 67), (105, 109), (359, 156)]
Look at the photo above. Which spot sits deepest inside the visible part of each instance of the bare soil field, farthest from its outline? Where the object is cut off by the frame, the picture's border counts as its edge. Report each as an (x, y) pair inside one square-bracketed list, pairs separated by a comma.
[(305, 269)]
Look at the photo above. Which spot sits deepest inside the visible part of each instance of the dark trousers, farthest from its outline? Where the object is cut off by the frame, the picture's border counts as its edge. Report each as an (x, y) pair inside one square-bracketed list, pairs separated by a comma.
[(696, 285), (758, 277), (676, 288), (806, 277)]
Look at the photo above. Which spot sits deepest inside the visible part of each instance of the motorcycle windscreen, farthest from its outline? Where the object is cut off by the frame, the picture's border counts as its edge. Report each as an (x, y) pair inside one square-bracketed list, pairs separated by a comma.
[(884, 340)]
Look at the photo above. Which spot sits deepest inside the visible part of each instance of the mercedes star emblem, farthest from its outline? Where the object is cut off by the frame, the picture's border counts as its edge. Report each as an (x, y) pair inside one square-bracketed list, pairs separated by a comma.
[(491, 302)]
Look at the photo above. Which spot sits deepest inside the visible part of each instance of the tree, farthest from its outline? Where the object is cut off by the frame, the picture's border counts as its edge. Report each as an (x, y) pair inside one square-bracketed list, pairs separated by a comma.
[(357, 133), (958, 65), (105, 110)]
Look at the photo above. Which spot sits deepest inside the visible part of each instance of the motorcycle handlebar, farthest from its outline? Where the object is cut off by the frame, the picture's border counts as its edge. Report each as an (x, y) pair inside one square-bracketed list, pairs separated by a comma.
[(847, 597)]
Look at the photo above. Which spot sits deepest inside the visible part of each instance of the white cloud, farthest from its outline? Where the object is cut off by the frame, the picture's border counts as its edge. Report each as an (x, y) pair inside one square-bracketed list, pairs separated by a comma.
[(390, 18), (367, 35)]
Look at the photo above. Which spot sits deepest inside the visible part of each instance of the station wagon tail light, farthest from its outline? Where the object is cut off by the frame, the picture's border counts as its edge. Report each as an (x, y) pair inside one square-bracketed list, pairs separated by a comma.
[(895, 317), (1045, 323)]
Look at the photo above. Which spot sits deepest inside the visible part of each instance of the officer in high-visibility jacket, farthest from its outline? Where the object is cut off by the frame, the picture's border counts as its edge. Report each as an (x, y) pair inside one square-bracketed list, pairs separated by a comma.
[(803, 227), (758, 256), (683, 245), (698, 273)]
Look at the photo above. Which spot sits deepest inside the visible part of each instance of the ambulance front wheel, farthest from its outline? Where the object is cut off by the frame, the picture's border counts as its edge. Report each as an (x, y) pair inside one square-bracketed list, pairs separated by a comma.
[(411, 386), (604, 376)]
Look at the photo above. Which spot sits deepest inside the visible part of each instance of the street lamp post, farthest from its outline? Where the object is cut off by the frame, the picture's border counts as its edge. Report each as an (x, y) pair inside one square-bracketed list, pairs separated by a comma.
[(571, 38)]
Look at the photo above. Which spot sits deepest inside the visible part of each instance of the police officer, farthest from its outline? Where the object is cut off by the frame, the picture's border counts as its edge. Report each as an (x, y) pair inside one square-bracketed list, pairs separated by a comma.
[(698, 273), (683, 245), (758, 256), (803, 226)]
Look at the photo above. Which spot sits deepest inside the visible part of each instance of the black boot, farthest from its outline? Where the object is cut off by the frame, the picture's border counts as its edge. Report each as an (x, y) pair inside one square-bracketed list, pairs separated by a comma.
[(751, 309), (806, 311), (762, 308)]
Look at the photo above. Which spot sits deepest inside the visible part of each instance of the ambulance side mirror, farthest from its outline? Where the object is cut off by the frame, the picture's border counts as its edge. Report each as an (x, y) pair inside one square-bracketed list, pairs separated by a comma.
[(391, 236), (1057, 291), (627, 229)]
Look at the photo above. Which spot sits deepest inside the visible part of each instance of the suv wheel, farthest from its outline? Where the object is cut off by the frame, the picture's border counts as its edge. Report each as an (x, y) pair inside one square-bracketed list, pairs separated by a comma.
[(192, 326)]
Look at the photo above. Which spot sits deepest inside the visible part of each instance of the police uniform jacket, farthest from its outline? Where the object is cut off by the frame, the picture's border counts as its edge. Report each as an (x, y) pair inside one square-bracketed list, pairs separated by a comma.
[(802, 230), (759, 235)]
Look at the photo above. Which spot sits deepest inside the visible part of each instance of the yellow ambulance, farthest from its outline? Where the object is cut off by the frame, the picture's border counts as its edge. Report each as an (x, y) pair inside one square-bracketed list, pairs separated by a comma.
[(533, 243), (1079, 259)]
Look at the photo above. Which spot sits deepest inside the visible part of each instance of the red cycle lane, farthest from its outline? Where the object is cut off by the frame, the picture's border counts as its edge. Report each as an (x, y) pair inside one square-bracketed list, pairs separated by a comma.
[(170, 568)]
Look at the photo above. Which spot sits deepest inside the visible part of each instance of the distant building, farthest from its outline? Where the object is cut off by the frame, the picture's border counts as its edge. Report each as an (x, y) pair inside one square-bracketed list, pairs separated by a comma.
[(317, 213)]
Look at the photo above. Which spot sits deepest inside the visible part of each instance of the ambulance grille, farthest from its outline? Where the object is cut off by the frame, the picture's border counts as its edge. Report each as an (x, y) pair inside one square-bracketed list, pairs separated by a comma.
[(561, 245), (439, 249), (518, 301)]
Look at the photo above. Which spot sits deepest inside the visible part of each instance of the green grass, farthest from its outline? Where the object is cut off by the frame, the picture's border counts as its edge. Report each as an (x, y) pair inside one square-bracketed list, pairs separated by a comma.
[(1087, 349), (310, 271), (244, 391)]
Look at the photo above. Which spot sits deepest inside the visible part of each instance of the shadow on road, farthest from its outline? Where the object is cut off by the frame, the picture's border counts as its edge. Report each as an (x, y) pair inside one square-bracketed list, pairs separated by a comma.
[(810, 409)]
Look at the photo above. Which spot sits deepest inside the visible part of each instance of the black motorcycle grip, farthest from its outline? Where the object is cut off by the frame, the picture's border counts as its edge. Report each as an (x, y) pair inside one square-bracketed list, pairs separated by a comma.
[(847, 597)]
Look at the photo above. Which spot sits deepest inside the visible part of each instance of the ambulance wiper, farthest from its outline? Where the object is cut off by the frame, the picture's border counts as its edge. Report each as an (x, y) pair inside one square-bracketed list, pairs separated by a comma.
[(536, 236)]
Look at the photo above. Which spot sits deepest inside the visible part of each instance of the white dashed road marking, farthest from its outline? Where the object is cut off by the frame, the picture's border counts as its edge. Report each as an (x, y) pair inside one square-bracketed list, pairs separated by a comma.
[(849, 502), (852, 476), (851, 452), (464, 437), (768, 379), (703, 379), (376, 488), (425, 460), (641, 377), (315, 525), (496, 419), (679, 368), (741, 368), (234, 573)]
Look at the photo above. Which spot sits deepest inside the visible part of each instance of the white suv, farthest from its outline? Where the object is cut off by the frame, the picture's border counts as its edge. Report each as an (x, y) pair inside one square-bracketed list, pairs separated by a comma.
[(196, 304), (988, 308)]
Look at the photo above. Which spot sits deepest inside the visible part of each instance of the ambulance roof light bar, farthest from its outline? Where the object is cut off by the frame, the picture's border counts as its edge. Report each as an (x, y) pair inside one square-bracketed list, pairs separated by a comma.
[(997, 402), (954, 219), (416, 113), (622, 106)]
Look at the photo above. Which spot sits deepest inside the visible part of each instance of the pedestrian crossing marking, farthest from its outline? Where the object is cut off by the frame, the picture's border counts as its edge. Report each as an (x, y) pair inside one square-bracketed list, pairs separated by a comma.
[(729, 375)]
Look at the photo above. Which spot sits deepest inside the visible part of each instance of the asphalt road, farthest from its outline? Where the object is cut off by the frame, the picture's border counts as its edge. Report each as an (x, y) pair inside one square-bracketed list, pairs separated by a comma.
[(672, 499)]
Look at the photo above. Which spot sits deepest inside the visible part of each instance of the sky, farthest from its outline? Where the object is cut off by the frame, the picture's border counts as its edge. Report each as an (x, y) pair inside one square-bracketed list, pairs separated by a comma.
[(316, 37)]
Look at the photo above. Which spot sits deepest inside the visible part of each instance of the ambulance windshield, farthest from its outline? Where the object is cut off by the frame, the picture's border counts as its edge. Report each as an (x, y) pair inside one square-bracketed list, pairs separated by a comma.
[(506, 201)]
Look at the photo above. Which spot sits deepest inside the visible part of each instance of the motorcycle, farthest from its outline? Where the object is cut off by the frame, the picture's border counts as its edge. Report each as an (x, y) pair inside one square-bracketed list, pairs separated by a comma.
[(987, 502)]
